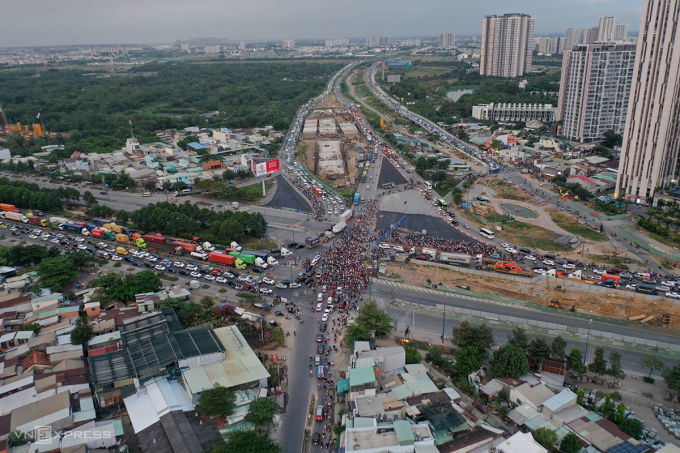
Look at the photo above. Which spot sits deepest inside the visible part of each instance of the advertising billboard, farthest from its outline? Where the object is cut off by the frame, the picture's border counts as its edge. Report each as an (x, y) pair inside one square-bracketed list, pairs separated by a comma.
[(265, 168)]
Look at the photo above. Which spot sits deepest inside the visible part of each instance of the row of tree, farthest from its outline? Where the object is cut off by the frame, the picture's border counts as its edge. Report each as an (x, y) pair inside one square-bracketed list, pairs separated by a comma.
[(188, 220)]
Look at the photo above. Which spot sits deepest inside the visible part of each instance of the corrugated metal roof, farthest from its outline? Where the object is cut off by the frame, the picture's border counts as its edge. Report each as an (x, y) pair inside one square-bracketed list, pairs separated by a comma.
[(361, 376), (404, 433)]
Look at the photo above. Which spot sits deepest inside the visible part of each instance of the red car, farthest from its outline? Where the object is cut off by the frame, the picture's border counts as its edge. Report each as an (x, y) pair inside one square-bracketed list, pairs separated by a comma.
[(421, 257), (217, 271)]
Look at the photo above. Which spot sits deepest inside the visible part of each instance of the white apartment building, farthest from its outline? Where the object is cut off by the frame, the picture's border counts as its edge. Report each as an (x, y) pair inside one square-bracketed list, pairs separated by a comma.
[(606, 29), (620, 32), (447, 40), (287, 44), (595, 89), (544, 113), (507, 45), (651, 141)]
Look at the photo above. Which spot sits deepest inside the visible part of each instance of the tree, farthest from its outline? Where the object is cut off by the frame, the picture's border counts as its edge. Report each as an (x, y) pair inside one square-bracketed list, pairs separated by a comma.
[(575, 361), (55, 272), (558, 348), (122, 216), (484, 335), (149, 185), (608, 408), (538, 350), (356, 332), (374, 319), (217, 402), (463, 335), (599, 365), (246, 441), (82, 332), (620, 413), (469, 359), (519, 338), (546, 437), (497, 145), (207, 302), (509, 361), (652, 362), (633, 427), (261, 412), (615, 369), (457, 195), (412, 355), (580, 393), (570, 444), (89, 197), (672, 378), (612, 139)]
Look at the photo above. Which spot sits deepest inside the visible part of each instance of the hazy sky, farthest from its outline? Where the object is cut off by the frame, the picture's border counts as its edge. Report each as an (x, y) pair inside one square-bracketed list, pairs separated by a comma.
[(58, 22)]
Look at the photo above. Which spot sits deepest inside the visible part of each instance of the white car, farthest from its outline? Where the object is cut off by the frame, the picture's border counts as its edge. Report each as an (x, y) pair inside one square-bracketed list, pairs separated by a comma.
[(324, 318), (569, 266), (548, 262), (160, 267), (510, 250), (55, 241), (398, 248), (196, 274), (117, 258), (631, 286), (530, 258), (80, 240), (295, 285), (82, 247), (540, 271), (505, 245), (178, 264), (319, 306), (221, 280), (268, 281), (209, 277), (384, 246), (673, 295), (598, 271), (33, 236), (192, 267)]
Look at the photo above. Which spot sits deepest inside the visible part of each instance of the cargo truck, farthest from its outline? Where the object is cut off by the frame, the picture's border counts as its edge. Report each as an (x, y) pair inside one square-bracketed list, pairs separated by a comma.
[(139, 242), (7, 207), (36, 221), (15, 216), (200, 255), (57, 222), (312, 242), (102, 254), (245, 257), (345, 216), (72, 228), (614, 278), (124, 238), (261, 263), (109, 236), (117, 228), (338, 227), (97, 233), (227, 260), (454, 258)]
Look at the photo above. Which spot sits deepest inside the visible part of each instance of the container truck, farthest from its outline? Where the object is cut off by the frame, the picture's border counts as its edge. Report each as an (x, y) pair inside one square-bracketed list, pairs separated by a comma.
[(109, 236), (615, 278), (236, 247), (261, 263), (199, 255), (208, 246), (100, 222), (91, 227), (116, 228), (7, 207), (345, 216), (227, 260), (139, 242), (81, 224), (454, 258), (432, 253), (102, 254), (272, 261), (35, 221), (71, 227), (15, 216), (312, 242), (120, 237), (285, 252), (56, 222), (97, 233), (263, 255), (338, 227), (159, 243), (245, 257)]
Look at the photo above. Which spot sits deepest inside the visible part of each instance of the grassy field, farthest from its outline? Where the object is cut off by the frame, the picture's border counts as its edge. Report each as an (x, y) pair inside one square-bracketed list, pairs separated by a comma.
[(572, 226), (618, 261), (507, 191), (445, 89), (673, 240), (251, 243), (530, 236), (427, 71)]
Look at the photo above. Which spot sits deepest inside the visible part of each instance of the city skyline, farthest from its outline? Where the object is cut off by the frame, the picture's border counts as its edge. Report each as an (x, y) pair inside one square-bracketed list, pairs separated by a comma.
[(76, 22)]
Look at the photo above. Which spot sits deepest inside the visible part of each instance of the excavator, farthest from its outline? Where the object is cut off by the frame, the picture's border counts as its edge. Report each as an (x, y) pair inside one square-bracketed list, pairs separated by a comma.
[(563, 303), (511, 268)]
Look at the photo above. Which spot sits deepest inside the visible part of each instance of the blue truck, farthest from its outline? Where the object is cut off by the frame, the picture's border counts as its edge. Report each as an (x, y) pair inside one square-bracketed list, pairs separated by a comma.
[(357, 197), (72, 228)]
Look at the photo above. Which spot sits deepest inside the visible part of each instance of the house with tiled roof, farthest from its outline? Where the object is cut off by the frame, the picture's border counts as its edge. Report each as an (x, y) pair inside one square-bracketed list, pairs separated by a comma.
[(36, 360)]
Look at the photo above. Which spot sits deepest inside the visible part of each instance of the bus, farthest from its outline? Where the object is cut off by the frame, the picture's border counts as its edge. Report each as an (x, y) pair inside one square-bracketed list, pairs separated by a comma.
[(442, 203), (486, 233), (646, 289), (428, 184), (357, 197), (388, 185), (317, 191)]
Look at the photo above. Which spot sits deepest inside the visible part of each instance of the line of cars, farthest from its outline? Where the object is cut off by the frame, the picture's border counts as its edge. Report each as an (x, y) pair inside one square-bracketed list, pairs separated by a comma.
[(334, 204)]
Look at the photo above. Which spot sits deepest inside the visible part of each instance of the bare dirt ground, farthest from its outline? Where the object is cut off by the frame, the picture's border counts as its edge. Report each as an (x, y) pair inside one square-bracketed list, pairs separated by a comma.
[(329, 101), (615, 306)]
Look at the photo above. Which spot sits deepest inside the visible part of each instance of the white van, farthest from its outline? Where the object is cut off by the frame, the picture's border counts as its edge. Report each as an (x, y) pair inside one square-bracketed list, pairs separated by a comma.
[(185, 191), (329, 301), (319, 297), (146, 194)]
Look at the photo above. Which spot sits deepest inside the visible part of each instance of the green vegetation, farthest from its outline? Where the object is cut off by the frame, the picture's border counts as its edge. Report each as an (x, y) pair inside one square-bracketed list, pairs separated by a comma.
[(530, 236), (509, 361), (572, 226), (374, 319), (618, 261), (246, 441), (123, 288), (188, 220), (217, 402), (83, 332), (261, 413), (412, 355), (192, 314), (94, 112)]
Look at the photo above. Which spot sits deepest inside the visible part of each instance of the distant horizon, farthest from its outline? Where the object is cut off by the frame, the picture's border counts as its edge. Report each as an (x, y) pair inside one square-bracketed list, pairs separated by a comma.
[(35, 23)]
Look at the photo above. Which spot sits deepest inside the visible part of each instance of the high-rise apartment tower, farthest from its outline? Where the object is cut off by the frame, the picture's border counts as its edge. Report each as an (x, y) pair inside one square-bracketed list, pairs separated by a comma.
[(507, 45)]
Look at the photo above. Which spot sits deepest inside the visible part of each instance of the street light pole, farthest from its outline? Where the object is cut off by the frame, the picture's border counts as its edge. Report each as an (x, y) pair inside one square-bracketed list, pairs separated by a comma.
[(590, 322)]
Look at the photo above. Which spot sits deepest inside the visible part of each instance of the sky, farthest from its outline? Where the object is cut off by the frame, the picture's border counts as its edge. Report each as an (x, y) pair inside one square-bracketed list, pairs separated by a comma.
[(79, 22)]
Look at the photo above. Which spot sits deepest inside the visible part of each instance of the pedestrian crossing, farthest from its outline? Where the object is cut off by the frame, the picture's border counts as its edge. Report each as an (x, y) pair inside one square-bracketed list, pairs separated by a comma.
[(429, 290)]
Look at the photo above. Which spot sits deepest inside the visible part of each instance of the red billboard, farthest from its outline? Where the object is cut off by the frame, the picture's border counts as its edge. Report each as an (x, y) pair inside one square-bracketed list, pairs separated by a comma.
[(265, 168)]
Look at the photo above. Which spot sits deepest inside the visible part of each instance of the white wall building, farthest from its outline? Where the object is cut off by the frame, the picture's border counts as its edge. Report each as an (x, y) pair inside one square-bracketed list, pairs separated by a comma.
[(507, 45), (545, 113)]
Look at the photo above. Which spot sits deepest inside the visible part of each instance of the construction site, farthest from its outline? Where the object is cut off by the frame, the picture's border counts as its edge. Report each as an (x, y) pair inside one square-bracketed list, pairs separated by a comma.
[(553, 293), (332, 142)]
